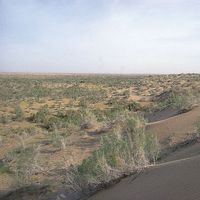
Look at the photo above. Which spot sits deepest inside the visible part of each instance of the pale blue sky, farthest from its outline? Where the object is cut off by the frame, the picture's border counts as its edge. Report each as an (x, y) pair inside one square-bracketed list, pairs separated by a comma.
[(100, 36)]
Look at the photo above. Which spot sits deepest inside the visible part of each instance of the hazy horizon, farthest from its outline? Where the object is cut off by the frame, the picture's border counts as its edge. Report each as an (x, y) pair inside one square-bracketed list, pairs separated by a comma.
[(103, 36), (89, 73)]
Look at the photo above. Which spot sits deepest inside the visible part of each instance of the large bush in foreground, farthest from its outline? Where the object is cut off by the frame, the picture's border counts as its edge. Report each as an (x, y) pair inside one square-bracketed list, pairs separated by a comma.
[(125, 150)]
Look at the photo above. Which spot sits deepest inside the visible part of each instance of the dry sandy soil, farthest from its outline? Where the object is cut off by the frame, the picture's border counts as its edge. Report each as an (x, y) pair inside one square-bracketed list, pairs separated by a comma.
[(176, 128)]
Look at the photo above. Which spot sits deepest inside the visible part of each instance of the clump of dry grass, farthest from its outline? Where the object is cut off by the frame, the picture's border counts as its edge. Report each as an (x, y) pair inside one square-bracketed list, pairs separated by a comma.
[(23, 161), (5, 118), (19, 114), (89, 120), (123, 151), (58, 139)]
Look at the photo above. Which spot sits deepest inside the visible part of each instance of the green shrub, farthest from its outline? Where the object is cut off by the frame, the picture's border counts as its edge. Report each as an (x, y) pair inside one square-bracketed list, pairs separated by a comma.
[(58, 139), (176, 98), (89, 120), (181, 101), (19, 115), (125, 150), (53, 123), (4, 168), (41, 115), (133, 106), (152, 146), (23, 162), (71, 117)]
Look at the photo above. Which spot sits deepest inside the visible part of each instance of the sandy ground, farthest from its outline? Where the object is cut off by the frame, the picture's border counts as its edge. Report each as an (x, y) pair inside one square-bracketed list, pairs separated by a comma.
[(178, 127), (172, 180)]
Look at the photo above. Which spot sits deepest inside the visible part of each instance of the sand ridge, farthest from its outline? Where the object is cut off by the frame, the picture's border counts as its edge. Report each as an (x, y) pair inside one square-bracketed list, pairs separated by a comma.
[(179, 127)]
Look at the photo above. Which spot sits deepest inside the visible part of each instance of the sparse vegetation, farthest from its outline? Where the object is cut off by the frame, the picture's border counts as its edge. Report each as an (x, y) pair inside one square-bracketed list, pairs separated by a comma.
[(91, 122)]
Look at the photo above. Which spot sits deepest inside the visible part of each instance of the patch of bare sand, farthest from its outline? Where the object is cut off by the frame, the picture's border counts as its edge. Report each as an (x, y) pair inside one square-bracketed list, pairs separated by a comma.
[(179, 127)]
